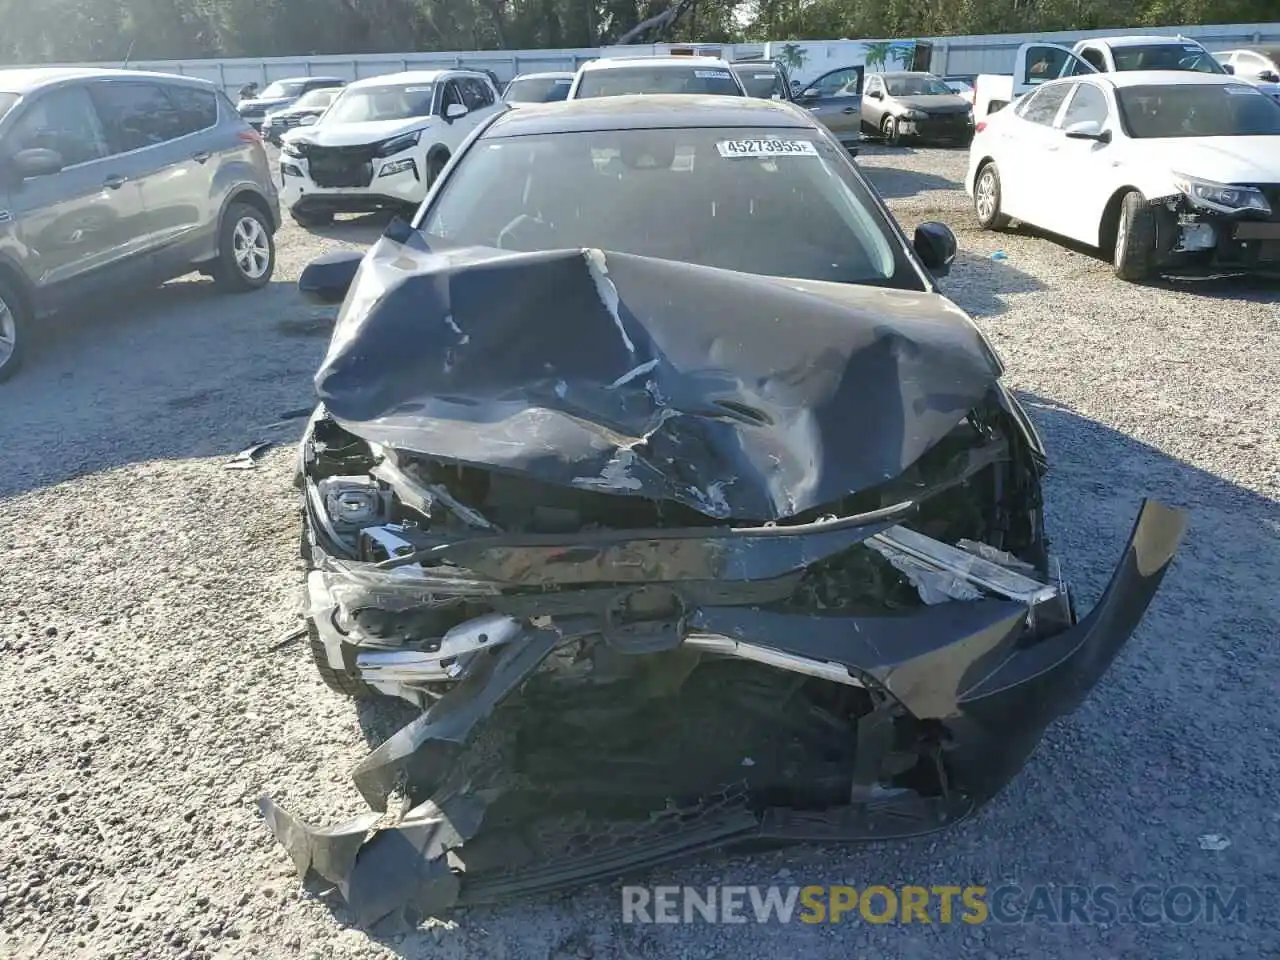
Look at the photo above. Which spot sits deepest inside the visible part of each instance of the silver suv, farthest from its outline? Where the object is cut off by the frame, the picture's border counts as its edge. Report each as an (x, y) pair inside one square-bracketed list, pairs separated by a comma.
[(118, 177)]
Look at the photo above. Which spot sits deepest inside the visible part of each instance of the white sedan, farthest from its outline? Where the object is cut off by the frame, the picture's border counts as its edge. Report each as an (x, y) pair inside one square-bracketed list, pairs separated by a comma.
[(1168, 172)]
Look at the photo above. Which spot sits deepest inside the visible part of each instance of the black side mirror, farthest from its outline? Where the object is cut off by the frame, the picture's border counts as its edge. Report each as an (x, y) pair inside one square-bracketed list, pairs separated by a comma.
[(935, 245), (1269, 76), (807, 96), (876, 95), (327, 278), (36, 162), (1228, 68)]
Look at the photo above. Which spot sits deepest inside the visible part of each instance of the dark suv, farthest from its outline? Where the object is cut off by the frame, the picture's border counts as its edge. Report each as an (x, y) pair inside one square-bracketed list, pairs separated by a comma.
[(117, 177)]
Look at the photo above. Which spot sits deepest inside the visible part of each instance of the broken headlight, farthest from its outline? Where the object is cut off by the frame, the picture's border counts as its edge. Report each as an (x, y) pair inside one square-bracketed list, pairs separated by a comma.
[(1222, 197)]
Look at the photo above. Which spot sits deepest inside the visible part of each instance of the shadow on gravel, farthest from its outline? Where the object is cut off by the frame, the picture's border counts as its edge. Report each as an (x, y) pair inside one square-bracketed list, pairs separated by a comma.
[(1167, 732), (363, 228), (980, 284), (894, 184), (178, 372)]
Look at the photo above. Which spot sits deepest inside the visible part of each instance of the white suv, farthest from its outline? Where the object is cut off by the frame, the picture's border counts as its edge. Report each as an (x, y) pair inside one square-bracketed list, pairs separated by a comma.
[(382, 143)]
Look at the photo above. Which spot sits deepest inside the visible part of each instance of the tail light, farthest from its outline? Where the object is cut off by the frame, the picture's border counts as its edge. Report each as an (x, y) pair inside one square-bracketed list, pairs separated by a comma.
[(250, 136), (982, 125)]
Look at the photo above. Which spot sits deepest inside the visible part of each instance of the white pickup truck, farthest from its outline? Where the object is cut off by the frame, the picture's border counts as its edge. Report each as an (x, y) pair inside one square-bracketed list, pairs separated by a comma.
[(1041, 61)]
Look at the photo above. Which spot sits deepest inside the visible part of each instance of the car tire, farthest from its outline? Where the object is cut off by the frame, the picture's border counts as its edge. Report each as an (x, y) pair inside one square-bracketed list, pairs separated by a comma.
[(986, 199), (346, 682), (1135, 239), (14, 323), (891, 132), (246, 250), (317, 218), (435, 166)]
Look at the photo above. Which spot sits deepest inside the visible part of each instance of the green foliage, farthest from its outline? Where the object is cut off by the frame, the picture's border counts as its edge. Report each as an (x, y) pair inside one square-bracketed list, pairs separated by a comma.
[(105, 30)]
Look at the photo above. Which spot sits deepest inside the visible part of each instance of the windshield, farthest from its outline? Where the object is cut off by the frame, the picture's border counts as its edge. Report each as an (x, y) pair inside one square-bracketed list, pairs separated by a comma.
[(7, 100), (1198, 110), (760, 82), (789, 207), (392, 102), (538, 89), (621, 81), (920, 86), (281, 89), (317, 99), (1166, 56)]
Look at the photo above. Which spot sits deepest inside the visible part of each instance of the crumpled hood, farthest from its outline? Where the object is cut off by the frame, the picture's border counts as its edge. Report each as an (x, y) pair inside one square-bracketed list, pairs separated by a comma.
[(355, 134), (741, 396), (1224, 159)]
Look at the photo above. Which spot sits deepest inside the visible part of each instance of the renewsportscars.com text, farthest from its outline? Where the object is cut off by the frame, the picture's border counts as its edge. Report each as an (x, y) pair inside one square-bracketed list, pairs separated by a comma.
[(972, 904)]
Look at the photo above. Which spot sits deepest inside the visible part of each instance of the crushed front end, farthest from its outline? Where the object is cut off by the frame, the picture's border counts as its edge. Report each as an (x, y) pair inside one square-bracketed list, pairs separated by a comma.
[(624, 656), (1211, 228)]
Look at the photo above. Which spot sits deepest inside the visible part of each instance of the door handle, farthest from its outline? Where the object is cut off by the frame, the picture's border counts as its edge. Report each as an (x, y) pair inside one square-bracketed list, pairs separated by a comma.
[(114, 182), (200, 156), (849, 110)]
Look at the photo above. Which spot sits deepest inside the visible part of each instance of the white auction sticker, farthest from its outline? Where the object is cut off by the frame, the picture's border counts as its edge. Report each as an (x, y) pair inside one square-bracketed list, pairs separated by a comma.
[(711, 75), (766, 148), (1240, 88), (763, 76)]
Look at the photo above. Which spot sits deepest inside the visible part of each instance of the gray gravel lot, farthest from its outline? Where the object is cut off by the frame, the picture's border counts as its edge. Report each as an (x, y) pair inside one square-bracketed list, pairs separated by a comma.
[(142, 585)]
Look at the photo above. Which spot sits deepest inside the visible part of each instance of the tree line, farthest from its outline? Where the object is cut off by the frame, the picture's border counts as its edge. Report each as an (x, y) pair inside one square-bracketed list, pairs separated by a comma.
[(110, 30)]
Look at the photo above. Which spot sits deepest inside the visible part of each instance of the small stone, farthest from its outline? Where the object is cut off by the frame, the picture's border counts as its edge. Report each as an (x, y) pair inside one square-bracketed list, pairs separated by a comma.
[(50, 631)]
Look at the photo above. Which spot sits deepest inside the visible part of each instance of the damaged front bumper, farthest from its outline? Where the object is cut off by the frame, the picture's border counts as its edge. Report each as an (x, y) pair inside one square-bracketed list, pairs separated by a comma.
[(1194, 240), (954, 695)]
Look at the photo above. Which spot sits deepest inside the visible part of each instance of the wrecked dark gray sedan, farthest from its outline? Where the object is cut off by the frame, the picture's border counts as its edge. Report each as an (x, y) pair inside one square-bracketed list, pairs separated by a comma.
[(653, 468)]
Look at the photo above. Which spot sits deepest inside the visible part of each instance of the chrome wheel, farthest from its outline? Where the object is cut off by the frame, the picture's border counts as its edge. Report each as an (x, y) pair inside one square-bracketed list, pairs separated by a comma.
[(8, 333), (984, 196), (1122, 238), (251, 247)]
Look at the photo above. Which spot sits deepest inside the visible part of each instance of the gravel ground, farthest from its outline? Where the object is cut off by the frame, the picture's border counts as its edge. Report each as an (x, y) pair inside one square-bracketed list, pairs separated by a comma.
[(143, 586)]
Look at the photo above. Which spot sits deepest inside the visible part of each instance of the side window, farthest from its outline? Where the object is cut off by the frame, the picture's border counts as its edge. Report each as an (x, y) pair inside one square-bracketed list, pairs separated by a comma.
[(1042, 106), (1046, 63), (451, 96), (65, 121), (197, 109), (136, 115), (1094, 58), (838, 83), (475, 93), (1087, 103)]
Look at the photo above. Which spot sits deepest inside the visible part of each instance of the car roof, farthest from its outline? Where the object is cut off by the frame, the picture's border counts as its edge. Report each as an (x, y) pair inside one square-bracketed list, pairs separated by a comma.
[(410, 76), (741, 65), (1162, 78), (615, 63), (1137, 41), (905, 73), (648, 112), (305, 79), (27, 80), (547, 75)]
